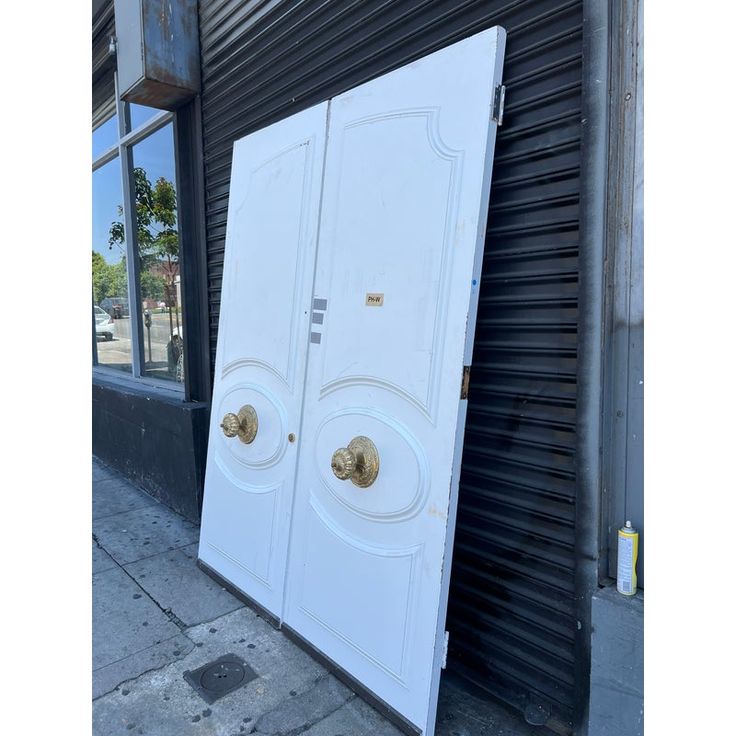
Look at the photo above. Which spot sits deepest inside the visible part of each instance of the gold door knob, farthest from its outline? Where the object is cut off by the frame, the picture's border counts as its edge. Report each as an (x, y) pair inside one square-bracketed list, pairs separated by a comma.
[(343, 463), (358, 462), (243, 425)]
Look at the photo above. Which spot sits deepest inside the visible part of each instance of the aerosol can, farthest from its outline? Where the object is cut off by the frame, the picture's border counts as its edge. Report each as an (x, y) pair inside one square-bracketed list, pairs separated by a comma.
[(628, 551)]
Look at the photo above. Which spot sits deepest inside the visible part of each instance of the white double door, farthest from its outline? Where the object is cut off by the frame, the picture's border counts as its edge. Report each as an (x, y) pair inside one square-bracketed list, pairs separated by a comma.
[(353, 254)]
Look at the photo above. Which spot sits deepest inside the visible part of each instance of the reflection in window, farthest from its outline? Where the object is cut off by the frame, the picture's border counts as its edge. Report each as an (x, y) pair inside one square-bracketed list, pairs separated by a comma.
[(158, 248), (105, 136), (109, 276), (140, 114)]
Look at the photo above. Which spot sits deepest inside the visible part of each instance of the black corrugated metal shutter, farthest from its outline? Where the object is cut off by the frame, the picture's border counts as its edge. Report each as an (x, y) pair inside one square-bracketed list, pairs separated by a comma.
[(512, 615), (103, 63)]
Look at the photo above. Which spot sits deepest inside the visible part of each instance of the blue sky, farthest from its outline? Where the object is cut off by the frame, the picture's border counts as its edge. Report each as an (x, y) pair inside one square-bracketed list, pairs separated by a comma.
[(155, 154)]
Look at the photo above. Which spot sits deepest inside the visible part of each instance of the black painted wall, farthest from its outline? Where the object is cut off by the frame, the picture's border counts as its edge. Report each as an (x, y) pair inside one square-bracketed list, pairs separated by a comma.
[(158, 442)]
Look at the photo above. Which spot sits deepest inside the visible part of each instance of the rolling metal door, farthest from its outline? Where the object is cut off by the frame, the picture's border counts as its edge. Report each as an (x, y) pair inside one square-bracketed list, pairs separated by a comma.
[(103, 62), (512, 615)]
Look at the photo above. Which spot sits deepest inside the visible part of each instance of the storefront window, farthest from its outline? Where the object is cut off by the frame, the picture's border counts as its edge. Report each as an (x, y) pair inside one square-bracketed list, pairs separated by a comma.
[(105, 136), (138, 326), (140, 114), (158, 248), (109, 277)]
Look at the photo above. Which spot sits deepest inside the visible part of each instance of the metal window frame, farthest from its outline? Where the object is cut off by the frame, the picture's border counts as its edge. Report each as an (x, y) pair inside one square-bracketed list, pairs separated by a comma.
[(131, 235), (123, 150)]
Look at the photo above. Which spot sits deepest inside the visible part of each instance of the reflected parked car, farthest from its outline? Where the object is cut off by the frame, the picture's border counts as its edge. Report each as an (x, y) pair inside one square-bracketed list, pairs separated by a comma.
[(117, 306), (104, 326)]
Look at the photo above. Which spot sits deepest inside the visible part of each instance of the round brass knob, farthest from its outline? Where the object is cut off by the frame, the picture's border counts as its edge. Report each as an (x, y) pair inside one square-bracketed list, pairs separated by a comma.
[(243, 425), (343, 463), (358, 462), (230, 425)]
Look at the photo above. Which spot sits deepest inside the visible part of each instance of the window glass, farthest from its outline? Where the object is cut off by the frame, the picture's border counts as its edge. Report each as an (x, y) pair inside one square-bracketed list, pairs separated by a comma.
[(139, 114), (158, 250), (109, 277), (104, 136)]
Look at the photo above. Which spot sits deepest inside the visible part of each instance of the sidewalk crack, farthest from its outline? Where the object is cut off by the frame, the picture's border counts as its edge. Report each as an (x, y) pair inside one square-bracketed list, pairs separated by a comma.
[(133, 678), (166, 611)]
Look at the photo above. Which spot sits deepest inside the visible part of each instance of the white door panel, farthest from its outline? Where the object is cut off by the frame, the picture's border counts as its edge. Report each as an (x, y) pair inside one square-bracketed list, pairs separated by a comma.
[(261, 352), (402, 227), (398, 191)]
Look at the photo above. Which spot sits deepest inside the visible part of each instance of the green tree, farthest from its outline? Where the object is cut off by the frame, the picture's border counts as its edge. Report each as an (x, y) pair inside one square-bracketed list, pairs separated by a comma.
[(158, 238), (118, 278), (100, 286), (152, 286), (108, 279), (155, 209)]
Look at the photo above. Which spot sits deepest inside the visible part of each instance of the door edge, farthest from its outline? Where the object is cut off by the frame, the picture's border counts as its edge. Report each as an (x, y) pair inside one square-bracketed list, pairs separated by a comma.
[(355, 685), (264, 613)]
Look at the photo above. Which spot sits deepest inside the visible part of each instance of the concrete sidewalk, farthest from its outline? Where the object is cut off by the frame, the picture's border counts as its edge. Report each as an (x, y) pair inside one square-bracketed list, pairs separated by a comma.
[(156, 615)]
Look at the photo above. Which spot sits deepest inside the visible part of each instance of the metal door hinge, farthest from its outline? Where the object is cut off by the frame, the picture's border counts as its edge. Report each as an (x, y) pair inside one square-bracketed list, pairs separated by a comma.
[(499, 97), (444, 651), (465, 382)]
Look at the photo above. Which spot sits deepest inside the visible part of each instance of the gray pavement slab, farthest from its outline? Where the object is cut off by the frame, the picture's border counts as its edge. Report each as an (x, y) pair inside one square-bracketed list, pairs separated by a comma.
[(354, 718), (101, 472), (161, 702), (148, 531), (303, 710), (114, 496), (117, 674), (159, 616), (124, 619), (175, 582), (101, 561)]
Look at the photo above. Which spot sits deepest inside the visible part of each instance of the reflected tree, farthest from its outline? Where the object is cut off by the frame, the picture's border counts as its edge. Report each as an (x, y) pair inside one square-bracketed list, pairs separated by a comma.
[(108, 279), (158, 240)]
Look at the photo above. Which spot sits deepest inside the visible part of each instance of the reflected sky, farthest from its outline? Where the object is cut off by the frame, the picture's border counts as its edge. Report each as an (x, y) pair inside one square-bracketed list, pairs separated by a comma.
[(106, 189), (105, 136), (155, 154), (139, 114)]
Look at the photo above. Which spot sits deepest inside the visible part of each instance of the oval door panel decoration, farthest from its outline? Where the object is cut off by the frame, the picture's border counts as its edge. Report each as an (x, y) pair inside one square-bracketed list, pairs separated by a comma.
[(270, 441), (401, 486)]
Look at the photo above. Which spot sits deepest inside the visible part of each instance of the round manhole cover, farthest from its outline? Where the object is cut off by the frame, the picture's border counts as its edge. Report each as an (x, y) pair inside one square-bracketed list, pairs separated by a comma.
[(222, 676)]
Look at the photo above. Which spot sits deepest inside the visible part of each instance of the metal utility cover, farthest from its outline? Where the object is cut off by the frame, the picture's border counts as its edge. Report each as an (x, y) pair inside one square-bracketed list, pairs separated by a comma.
[(219, 678), (157, 51)]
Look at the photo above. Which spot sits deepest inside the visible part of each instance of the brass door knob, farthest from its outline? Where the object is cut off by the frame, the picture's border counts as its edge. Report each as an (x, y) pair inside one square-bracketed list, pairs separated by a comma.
[(243, 425), (357, 462)]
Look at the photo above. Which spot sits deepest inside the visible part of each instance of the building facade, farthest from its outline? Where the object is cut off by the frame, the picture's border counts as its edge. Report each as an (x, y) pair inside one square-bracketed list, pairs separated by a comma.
[(552, 462)]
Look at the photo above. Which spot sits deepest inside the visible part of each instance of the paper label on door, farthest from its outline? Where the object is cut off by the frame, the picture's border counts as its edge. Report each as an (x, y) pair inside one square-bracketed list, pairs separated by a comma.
[(374, 300)]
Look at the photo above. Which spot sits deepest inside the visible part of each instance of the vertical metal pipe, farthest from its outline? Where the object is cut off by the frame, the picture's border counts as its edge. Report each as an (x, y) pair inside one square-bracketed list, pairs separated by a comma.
[(594, 173)]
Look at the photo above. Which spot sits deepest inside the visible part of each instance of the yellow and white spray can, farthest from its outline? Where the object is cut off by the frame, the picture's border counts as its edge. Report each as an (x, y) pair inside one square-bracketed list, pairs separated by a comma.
[(628, 552)]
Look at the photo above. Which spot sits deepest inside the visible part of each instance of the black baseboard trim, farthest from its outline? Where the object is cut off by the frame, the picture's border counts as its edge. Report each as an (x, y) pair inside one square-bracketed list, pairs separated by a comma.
[(264, 613), (356, 686)]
